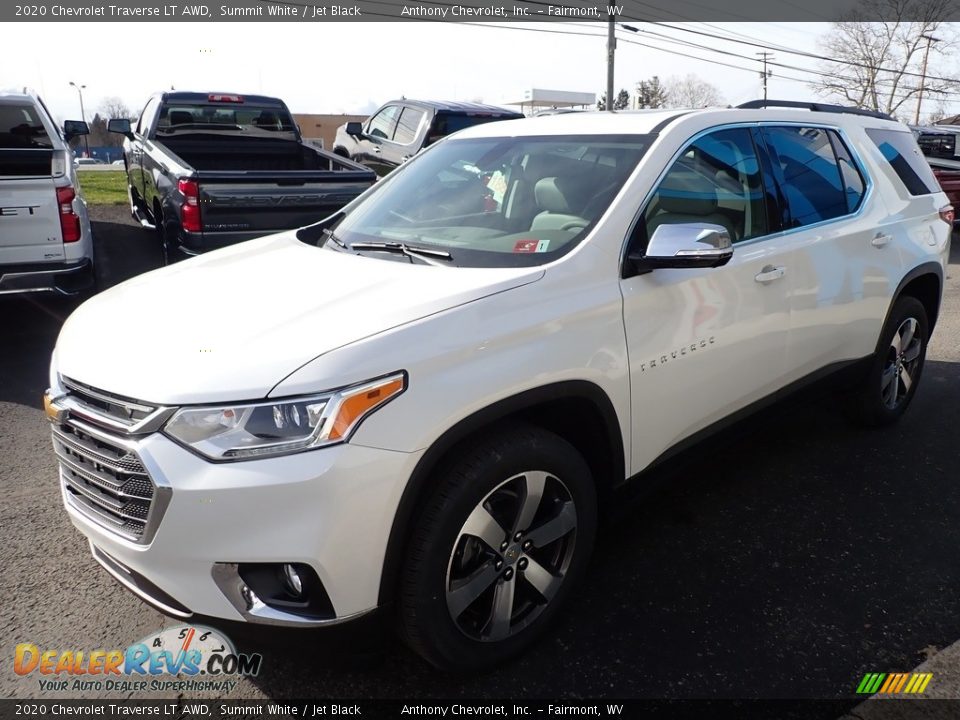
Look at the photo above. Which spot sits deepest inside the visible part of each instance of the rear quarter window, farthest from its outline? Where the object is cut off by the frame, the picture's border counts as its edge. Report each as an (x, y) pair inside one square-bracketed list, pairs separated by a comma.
[(900, 150), (20, 128)]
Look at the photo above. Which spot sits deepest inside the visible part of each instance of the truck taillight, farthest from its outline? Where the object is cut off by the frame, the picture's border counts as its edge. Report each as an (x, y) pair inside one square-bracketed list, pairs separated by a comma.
[(948, 214), (69, 220), (190, 208)]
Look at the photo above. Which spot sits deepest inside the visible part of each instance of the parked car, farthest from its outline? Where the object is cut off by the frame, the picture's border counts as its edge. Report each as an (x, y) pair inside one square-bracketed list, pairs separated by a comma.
[(206, 170), (402, 128), (424, 403), (120, 162), (45, 240), (939, 147), (87, 161)]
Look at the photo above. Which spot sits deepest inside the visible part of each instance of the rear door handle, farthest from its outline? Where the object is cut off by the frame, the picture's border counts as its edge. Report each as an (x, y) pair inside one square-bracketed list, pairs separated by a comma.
[(770, 273), (881, 240)]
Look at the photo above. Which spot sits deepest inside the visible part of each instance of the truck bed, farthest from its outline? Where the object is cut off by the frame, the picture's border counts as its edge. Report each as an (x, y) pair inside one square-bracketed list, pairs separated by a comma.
[(218, 154)]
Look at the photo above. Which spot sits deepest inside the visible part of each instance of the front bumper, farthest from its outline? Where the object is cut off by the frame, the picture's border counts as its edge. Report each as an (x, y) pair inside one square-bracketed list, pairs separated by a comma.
[(60, 277), (331, 509)]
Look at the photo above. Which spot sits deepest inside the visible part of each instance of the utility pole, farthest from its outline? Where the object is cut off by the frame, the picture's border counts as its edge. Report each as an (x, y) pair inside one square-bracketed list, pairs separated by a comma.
[(764, 74), (83, 116), (611, 49), (923, 76)]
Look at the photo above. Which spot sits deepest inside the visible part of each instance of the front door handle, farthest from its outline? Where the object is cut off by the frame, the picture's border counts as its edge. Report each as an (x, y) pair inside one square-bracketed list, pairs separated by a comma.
[(881, 240), (770, 273)]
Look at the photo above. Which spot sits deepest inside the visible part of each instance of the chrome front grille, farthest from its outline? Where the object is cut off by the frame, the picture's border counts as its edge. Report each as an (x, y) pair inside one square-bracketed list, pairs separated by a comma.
[(103, 476)]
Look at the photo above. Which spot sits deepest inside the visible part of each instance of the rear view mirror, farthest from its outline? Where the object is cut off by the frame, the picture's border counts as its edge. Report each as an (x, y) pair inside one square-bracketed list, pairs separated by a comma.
[(74, 128), (685, 245), (121, 126), (354, 129)]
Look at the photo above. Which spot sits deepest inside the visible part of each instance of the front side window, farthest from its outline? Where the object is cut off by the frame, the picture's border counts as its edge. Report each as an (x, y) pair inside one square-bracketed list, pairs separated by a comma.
[(496, 202), (809, 175), (717, 181), (383, 123)]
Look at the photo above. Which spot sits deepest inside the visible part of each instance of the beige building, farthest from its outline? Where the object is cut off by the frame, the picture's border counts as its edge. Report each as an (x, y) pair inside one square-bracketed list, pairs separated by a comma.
[(323, 127)]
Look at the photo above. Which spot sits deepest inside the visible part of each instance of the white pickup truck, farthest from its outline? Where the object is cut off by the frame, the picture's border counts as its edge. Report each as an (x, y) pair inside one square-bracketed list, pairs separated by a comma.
[(45, 239), (425, 402)]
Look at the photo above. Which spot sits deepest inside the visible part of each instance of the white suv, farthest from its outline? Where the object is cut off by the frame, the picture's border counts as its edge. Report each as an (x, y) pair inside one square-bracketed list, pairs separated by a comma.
[(424, 401), (45, 239)]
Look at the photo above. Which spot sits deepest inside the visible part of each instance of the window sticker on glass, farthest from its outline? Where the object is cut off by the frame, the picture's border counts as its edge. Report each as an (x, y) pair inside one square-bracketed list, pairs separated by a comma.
[(531, 246)]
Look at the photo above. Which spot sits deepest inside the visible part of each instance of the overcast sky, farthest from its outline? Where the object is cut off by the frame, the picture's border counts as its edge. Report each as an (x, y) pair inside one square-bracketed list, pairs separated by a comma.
[(354, 67)]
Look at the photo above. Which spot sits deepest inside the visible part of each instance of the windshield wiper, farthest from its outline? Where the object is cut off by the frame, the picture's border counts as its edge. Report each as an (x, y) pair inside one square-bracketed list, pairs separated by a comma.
[(333, 236), (412, 251)]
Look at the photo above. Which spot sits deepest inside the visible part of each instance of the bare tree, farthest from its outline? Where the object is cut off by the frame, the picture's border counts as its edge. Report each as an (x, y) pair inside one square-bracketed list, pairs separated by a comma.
[(880, 65), (691, 92), (113, 108), (622, 101)]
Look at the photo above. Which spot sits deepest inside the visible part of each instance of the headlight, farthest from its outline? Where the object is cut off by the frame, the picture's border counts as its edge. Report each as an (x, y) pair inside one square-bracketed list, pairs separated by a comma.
[(236, 432)]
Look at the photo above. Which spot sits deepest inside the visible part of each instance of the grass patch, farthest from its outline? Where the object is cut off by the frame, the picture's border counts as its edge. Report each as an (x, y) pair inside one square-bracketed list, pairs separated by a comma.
[(104, 187)]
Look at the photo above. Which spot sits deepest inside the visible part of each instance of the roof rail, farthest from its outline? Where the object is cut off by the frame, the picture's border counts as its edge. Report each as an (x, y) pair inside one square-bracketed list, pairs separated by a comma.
[(815, 107)]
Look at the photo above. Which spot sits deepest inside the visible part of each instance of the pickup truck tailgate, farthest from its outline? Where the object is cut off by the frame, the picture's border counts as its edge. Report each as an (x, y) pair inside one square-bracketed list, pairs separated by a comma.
[(29, 216), (263, 206)]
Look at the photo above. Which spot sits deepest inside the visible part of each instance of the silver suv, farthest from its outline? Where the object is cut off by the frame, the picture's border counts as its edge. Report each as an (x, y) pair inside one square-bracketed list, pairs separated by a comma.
[(45, 239)]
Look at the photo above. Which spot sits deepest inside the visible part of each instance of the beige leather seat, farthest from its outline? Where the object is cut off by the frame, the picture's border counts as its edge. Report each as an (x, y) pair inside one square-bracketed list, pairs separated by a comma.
[(556, 198), (691, 198)]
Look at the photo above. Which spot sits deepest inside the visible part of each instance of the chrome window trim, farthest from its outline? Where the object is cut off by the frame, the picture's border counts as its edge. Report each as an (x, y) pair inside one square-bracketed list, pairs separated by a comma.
[(854, 156)]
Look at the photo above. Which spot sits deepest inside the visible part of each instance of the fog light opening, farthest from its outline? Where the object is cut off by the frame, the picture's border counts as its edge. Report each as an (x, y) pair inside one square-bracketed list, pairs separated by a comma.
[(293, 580)]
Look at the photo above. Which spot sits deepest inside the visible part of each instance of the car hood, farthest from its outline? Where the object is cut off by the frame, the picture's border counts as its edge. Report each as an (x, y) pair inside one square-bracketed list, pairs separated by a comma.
[(231, 324)]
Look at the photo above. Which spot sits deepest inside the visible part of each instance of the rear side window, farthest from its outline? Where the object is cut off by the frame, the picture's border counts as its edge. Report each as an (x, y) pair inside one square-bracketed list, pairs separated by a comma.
[(448, 123), (810, 176), (20, 128), (901, 151), (408, 125)]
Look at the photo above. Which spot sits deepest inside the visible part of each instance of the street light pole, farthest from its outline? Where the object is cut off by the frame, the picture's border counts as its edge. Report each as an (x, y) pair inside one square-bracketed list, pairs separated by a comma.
[(611, 50), (83, 116), (923, 76)]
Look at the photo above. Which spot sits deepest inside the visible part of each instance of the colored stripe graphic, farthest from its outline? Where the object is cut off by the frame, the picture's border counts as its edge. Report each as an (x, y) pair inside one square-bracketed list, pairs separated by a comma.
[(894, 683)]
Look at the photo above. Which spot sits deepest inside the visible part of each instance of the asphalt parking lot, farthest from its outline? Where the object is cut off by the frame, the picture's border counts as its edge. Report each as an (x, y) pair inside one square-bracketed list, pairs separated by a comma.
[(783, 561)]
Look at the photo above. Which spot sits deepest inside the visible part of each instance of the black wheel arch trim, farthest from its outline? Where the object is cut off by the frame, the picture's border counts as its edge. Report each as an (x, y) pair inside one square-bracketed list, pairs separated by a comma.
[(419, 482), (927, 268)]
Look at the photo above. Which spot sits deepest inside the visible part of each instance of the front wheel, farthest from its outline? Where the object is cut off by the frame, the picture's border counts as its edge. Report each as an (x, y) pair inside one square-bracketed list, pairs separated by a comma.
[(897, 366), (497, 549)]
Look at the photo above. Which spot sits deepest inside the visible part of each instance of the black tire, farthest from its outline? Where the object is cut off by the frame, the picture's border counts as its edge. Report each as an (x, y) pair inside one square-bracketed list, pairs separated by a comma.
[(885, 394), (442, 559), (166, 237)]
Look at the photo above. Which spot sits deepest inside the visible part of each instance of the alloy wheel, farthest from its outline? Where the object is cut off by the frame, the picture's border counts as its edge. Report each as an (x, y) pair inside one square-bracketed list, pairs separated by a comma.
[(511, 556), (902, 364)]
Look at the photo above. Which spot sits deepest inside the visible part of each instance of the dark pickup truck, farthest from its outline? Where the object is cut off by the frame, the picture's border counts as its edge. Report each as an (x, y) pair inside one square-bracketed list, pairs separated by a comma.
[(402, 128), (206, 170)]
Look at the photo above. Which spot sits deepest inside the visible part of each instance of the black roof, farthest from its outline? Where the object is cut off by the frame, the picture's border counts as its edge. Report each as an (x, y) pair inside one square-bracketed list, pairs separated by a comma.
[(451, 106), (201, 97)]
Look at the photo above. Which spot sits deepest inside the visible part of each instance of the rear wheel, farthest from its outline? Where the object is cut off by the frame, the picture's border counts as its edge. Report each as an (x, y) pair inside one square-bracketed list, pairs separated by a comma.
[(497, 549), (897, 366), (165, 235)]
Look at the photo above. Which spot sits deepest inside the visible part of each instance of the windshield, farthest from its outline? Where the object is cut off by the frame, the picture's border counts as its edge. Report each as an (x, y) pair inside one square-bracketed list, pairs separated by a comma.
[(243, 119), (496, 202)]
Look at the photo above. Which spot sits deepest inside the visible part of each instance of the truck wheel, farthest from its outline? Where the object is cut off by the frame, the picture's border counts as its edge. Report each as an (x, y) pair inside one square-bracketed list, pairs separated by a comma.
[(167, 247), (497, 549), (897, 366)]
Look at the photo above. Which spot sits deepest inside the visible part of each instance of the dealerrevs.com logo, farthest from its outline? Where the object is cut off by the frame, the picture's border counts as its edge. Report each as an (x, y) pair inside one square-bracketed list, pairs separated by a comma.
[(204, 656)]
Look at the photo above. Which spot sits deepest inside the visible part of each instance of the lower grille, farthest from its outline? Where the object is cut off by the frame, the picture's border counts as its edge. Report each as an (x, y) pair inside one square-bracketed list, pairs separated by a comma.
[(105, 480)]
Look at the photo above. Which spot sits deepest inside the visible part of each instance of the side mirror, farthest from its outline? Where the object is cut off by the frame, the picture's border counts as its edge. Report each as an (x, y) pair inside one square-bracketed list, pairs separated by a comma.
[(355, 129), (121, 126), (685, 245), (432, 138), (74, 128)]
